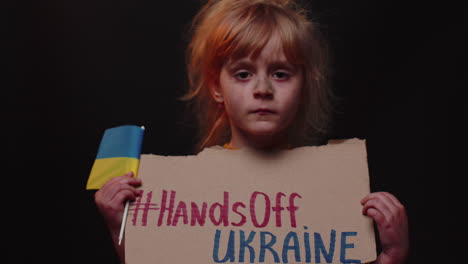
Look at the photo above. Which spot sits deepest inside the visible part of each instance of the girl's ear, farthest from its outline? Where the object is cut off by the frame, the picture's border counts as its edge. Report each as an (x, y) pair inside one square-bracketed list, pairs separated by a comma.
[(215, 90)]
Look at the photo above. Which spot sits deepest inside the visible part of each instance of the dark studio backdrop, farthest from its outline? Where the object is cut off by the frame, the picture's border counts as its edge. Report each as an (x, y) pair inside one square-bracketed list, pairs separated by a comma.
[(75, 68)]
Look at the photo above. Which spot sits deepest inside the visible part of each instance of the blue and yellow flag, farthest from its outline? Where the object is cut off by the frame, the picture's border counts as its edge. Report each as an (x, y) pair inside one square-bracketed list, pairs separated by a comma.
[(118, 153)]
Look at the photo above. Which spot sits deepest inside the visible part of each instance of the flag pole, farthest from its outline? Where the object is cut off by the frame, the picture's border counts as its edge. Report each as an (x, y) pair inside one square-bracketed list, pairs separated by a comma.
[(124, 220)]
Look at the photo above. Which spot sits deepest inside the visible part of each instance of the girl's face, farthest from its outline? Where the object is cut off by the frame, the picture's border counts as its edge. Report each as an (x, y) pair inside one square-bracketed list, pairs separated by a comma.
[(261, 96)]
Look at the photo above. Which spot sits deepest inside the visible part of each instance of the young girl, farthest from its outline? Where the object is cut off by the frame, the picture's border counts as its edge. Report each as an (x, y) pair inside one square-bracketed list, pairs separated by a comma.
[(257, 72)]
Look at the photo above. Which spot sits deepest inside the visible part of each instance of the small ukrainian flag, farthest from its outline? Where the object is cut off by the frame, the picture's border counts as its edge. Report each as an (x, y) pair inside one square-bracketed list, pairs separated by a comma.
[(118, 153)]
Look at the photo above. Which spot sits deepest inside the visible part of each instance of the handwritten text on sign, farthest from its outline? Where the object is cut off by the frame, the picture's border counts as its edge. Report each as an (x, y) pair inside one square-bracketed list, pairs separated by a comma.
[(173, 213), (237, 206)]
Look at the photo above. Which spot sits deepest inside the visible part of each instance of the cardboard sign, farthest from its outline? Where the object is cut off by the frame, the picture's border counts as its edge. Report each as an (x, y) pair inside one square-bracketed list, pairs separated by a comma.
[(240, 206)]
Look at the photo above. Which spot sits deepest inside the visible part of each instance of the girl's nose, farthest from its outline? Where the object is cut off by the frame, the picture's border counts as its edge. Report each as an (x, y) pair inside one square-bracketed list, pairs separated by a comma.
[(263, 89)]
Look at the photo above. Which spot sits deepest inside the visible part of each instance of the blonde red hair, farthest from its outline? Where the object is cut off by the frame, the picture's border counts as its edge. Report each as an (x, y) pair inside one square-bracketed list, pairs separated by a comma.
[(233, 29)]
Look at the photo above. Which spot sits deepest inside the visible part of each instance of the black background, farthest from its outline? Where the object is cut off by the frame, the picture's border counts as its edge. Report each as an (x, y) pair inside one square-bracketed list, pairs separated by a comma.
[(75, 68)]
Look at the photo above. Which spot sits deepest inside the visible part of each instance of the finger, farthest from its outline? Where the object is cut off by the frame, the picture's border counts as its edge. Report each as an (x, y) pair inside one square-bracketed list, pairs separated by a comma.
[(389, 200), (379, 205), (367, 198), (113, 190), (109, 189), (394, 200), (370, 196), (131, 181), (395, 207), (119, 200), (376, 215), (118, 178)]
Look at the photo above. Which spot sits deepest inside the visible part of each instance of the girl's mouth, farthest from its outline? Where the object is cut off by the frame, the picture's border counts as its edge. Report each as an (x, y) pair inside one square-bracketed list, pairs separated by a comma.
[(263, 111)]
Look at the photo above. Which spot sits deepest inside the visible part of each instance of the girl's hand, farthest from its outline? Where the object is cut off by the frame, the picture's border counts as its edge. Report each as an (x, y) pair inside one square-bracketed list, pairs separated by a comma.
[(111, 198), (392, 223)]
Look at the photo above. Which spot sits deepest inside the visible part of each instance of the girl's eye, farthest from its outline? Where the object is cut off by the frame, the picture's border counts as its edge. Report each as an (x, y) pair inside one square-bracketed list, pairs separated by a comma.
[(243, 75), (281, 75)]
